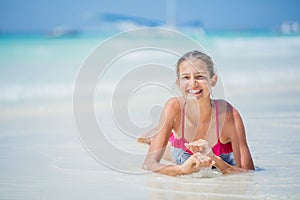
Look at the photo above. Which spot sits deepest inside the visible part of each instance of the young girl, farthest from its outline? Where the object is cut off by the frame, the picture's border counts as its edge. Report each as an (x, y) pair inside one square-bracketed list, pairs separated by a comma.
[(202, 132)]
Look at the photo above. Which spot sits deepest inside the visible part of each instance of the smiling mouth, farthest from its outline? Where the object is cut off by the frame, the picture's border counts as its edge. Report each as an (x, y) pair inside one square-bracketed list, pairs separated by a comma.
[(194, 92)]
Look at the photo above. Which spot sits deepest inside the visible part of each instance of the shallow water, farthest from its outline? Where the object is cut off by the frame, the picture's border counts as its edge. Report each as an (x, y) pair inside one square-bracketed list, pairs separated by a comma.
[(42, 156)]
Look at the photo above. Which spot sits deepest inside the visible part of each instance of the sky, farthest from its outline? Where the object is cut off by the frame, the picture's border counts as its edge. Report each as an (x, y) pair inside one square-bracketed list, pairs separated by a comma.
[(32, 15)]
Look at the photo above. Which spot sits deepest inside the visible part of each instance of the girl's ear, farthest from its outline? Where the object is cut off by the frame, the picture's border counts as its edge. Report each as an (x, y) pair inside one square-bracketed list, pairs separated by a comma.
[(213, 80)]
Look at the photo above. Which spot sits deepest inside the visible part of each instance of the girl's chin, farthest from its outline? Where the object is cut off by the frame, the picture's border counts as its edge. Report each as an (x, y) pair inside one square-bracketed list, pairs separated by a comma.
[(192, 97)]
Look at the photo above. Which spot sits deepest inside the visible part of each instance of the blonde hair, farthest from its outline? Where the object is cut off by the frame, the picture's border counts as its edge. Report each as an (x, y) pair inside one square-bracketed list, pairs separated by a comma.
[(192, 57)]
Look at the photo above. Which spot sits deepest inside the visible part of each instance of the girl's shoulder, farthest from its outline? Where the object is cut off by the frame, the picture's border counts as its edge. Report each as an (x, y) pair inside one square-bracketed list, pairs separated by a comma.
[(227, 108), (174, 104)]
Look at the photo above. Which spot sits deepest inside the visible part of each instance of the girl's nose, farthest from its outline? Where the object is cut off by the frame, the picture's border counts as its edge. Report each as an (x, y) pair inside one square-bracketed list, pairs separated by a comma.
[(192, 81)]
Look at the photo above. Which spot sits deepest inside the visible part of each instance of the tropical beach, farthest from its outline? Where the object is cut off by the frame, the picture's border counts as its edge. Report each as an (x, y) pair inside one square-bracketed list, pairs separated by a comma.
[(78, 89), (42, 155)]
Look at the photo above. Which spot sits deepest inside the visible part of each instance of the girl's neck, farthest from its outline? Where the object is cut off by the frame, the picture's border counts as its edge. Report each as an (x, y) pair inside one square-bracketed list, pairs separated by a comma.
[(199, 110)]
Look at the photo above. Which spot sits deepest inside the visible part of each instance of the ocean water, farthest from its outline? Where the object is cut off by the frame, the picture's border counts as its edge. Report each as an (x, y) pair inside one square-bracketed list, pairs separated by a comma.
[(44, 154)]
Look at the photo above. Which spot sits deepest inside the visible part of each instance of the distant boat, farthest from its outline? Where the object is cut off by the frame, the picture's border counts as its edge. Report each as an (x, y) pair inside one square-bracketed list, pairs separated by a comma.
[(119, 18), (61, 31), (290, 27), (127, 22)]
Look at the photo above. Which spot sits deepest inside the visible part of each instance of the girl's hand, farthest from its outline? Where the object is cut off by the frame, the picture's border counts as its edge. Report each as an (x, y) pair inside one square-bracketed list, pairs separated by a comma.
[(195, 163), (200, 146)]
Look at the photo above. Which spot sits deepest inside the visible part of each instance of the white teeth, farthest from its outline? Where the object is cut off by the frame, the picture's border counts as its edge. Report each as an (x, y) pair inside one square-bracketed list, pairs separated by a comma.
[(193, 91)]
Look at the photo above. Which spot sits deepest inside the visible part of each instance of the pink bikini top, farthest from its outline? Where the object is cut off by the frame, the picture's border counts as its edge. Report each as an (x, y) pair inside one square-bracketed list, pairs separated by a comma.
[(218, 148)]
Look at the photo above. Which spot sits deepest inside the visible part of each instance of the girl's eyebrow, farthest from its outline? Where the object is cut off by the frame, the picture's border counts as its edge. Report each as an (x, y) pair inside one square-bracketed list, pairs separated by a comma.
[(196, 73)]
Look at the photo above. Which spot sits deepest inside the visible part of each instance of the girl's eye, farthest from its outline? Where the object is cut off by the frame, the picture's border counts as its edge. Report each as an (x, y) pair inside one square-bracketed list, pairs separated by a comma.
[(199, 77)]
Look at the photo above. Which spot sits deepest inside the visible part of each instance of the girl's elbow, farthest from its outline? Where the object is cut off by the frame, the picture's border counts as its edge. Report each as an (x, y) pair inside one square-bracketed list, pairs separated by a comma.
[(249, 166), (146, 165), (150, 165)]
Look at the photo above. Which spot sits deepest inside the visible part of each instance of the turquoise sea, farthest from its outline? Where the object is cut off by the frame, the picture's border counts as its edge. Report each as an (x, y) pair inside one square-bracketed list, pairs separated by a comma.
[(44, 156)]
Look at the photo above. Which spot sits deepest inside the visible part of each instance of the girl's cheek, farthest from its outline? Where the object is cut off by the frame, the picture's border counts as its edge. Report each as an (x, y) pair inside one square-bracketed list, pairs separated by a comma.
[(182, 88), (182, 84), (204, 82)]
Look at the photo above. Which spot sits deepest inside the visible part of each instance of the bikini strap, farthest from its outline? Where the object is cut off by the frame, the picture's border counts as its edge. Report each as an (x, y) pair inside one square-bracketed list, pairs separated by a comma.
[(217, 118), (182, 122)]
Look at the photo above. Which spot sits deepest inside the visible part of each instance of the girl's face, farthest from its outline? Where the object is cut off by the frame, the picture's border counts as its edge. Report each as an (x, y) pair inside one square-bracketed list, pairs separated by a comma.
[(194, 80)]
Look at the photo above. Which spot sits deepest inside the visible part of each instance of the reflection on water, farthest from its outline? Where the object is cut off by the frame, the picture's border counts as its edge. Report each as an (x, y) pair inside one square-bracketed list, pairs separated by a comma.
[(222, 187)]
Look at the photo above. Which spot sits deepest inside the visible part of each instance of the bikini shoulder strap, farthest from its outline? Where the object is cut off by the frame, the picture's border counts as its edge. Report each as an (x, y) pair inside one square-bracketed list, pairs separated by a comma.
[(182, 122), (217, 118)]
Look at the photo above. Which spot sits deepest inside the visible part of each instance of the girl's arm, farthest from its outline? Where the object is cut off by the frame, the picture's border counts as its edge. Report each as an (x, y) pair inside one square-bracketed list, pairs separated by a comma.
[(201, 146), (225, 168), (239, 143), (159, 143)]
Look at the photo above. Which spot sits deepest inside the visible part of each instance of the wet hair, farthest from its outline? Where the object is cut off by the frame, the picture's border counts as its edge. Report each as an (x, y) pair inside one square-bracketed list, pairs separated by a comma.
[(194, 56)]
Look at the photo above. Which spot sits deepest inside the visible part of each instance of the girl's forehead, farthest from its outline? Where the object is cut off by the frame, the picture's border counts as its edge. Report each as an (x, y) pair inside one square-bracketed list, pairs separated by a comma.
[(195, 67)]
